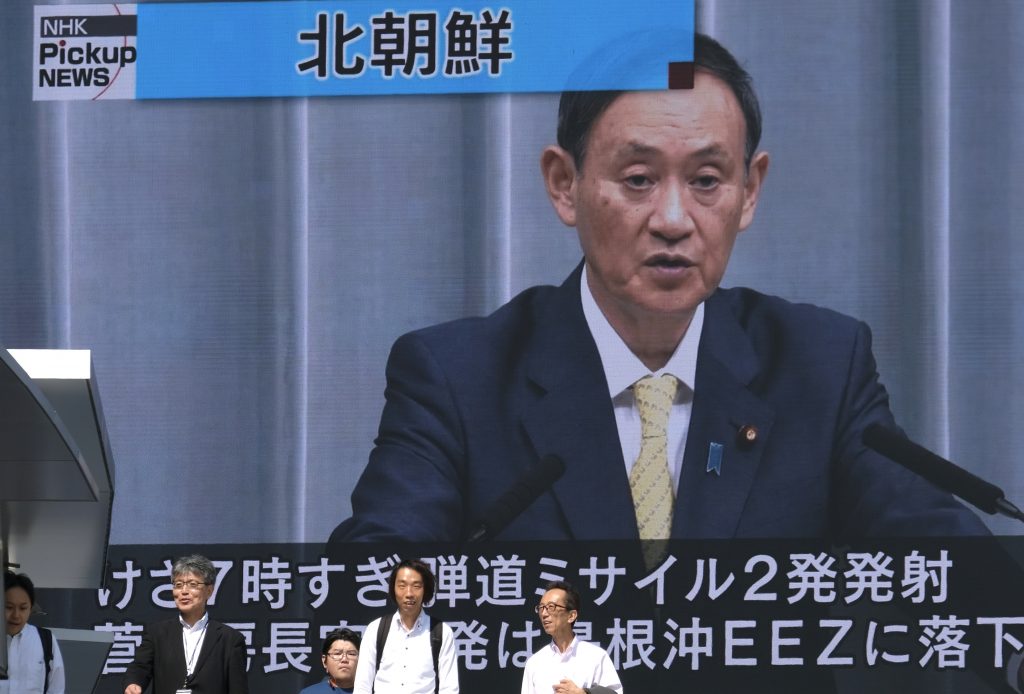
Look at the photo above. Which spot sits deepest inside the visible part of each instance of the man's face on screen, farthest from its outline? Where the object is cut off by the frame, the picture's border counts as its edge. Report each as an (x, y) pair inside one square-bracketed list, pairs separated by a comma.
[(660, 197)]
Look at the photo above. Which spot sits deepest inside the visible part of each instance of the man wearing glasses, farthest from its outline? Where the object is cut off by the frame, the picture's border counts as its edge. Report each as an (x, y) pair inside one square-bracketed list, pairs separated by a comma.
[(340, 657), (192, 653), (567, 665)]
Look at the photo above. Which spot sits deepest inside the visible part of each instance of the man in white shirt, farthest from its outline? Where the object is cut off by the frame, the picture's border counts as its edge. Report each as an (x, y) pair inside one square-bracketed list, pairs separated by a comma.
[(567, 665), (28, 671), (404, 653), (189, 652)]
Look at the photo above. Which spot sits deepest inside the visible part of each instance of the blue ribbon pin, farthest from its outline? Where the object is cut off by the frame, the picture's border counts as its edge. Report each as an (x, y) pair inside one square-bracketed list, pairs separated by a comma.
[(715, 451)]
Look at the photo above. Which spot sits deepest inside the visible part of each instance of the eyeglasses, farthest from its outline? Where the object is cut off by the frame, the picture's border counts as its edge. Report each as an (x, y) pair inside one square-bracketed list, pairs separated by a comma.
[(549, 607), (191, 585), (342, 655)]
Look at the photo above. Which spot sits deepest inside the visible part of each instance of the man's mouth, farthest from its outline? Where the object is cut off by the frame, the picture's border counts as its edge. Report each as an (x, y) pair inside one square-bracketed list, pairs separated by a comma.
[(668, 261)]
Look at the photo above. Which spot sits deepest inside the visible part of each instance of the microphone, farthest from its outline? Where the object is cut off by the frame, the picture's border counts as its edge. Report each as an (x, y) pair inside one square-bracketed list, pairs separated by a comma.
[(537, 479), (939, 471)]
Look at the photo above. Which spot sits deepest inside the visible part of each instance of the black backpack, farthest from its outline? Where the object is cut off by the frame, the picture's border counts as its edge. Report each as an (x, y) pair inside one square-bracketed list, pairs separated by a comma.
[(435, 646)]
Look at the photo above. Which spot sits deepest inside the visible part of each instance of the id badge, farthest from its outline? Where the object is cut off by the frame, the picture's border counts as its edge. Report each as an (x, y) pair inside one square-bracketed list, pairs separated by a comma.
[(182, 691)]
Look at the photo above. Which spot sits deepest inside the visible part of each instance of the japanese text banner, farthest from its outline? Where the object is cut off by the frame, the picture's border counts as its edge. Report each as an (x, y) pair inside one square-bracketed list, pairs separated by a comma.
[(272, 49), (764, 615)]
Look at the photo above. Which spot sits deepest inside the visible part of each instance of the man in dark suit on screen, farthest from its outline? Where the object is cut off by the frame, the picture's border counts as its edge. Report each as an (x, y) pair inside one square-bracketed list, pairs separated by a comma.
[(679, 409), (190, 652)]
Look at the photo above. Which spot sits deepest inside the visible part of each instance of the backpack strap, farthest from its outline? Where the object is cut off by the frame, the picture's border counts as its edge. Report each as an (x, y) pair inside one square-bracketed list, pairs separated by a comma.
[(435, 652), (435, 647), (382, 635), (46, 637)]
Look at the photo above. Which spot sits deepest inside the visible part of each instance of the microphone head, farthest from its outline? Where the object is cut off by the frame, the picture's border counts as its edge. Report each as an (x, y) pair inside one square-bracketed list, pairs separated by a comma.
[(537, 479), (552, 467), (894, 445)]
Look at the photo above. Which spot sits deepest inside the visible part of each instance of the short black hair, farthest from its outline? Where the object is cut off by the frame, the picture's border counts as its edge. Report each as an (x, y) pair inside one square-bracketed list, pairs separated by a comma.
[(578, 111), (572, 596), (195, 564), (341, 635), (422, 569), (13, 580)]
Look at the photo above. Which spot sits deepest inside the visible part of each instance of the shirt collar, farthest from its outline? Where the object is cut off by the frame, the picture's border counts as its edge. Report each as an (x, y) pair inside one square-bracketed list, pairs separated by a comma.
[(397, 619), (622, 368), (198, 626), (570, 651)]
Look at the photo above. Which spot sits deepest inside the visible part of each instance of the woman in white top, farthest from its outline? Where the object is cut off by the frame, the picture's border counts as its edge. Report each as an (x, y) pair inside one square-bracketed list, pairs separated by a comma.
[(26, 665)]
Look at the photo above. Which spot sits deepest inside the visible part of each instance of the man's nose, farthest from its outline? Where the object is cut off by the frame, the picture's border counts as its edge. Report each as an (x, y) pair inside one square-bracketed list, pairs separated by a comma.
[(671, 219)]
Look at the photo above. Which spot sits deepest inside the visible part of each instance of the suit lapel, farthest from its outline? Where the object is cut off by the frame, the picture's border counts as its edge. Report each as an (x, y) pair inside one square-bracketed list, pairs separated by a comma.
[(213, 634), (572, 417), (709, 505), (175, 646)]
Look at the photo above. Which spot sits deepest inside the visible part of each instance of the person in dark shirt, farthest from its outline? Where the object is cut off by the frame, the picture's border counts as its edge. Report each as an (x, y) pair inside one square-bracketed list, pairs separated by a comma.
[(340, 657)]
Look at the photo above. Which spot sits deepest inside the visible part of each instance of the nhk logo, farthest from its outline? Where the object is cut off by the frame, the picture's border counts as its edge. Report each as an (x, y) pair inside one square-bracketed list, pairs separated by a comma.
[(88, 55)]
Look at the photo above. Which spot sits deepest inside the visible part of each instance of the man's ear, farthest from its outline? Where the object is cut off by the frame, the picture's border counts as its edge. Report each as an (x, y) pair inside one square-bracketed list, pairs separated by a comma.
[(752, 187), (559, 171)]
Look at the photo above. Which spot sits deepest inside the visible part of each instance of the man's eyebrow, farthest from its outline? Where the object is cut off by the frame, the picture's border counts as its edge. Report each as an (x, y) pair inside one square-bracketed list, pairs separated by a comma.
[(712, 151), (634, 147)]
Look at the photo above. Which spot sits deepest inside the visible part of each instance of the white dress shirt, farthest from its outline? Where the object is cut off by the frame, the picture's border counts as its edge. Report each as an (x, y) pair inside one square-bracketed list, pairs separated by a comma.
[(622, 369), (407, 666), (583, 662), (192, 640), (25, 668)]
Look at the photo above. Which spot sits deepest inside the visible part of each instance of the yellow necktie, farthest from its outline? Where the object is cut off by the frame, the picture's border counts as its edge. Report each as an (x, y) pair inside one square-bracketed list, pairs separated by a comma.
[(653, 497)]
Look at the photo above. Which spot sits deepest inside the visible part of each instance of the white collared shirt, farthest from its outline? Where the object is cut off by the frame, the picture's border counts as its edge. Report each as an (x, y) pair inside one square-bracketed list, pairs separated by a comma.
[(25, 668), (584, 663), (192, 639), (622, 369), (407, 666)]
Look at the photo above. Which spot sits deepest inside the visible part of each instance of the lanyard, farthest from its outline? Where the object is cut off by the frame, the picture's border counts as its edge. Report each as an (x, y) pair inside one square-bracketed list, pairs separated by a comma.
[(191, 659)]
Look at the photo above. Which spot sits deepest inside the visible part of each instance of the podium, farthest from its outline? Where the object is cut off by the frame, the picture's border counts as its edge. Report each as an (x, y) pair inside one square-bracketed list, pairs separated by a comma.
[(56, 477)]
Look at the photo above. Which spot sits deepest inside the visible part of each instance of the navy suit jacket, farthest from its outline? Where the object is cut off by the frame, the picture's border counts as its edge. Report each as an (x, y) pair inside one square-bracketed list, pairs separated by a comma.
[(160, 660), (472, 403)]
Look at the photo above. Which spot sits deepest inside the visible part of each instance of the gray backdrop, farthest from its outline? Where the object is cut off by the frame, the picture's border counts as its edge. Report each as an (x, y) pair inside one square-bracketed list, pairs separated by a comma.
[(239, 268)]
